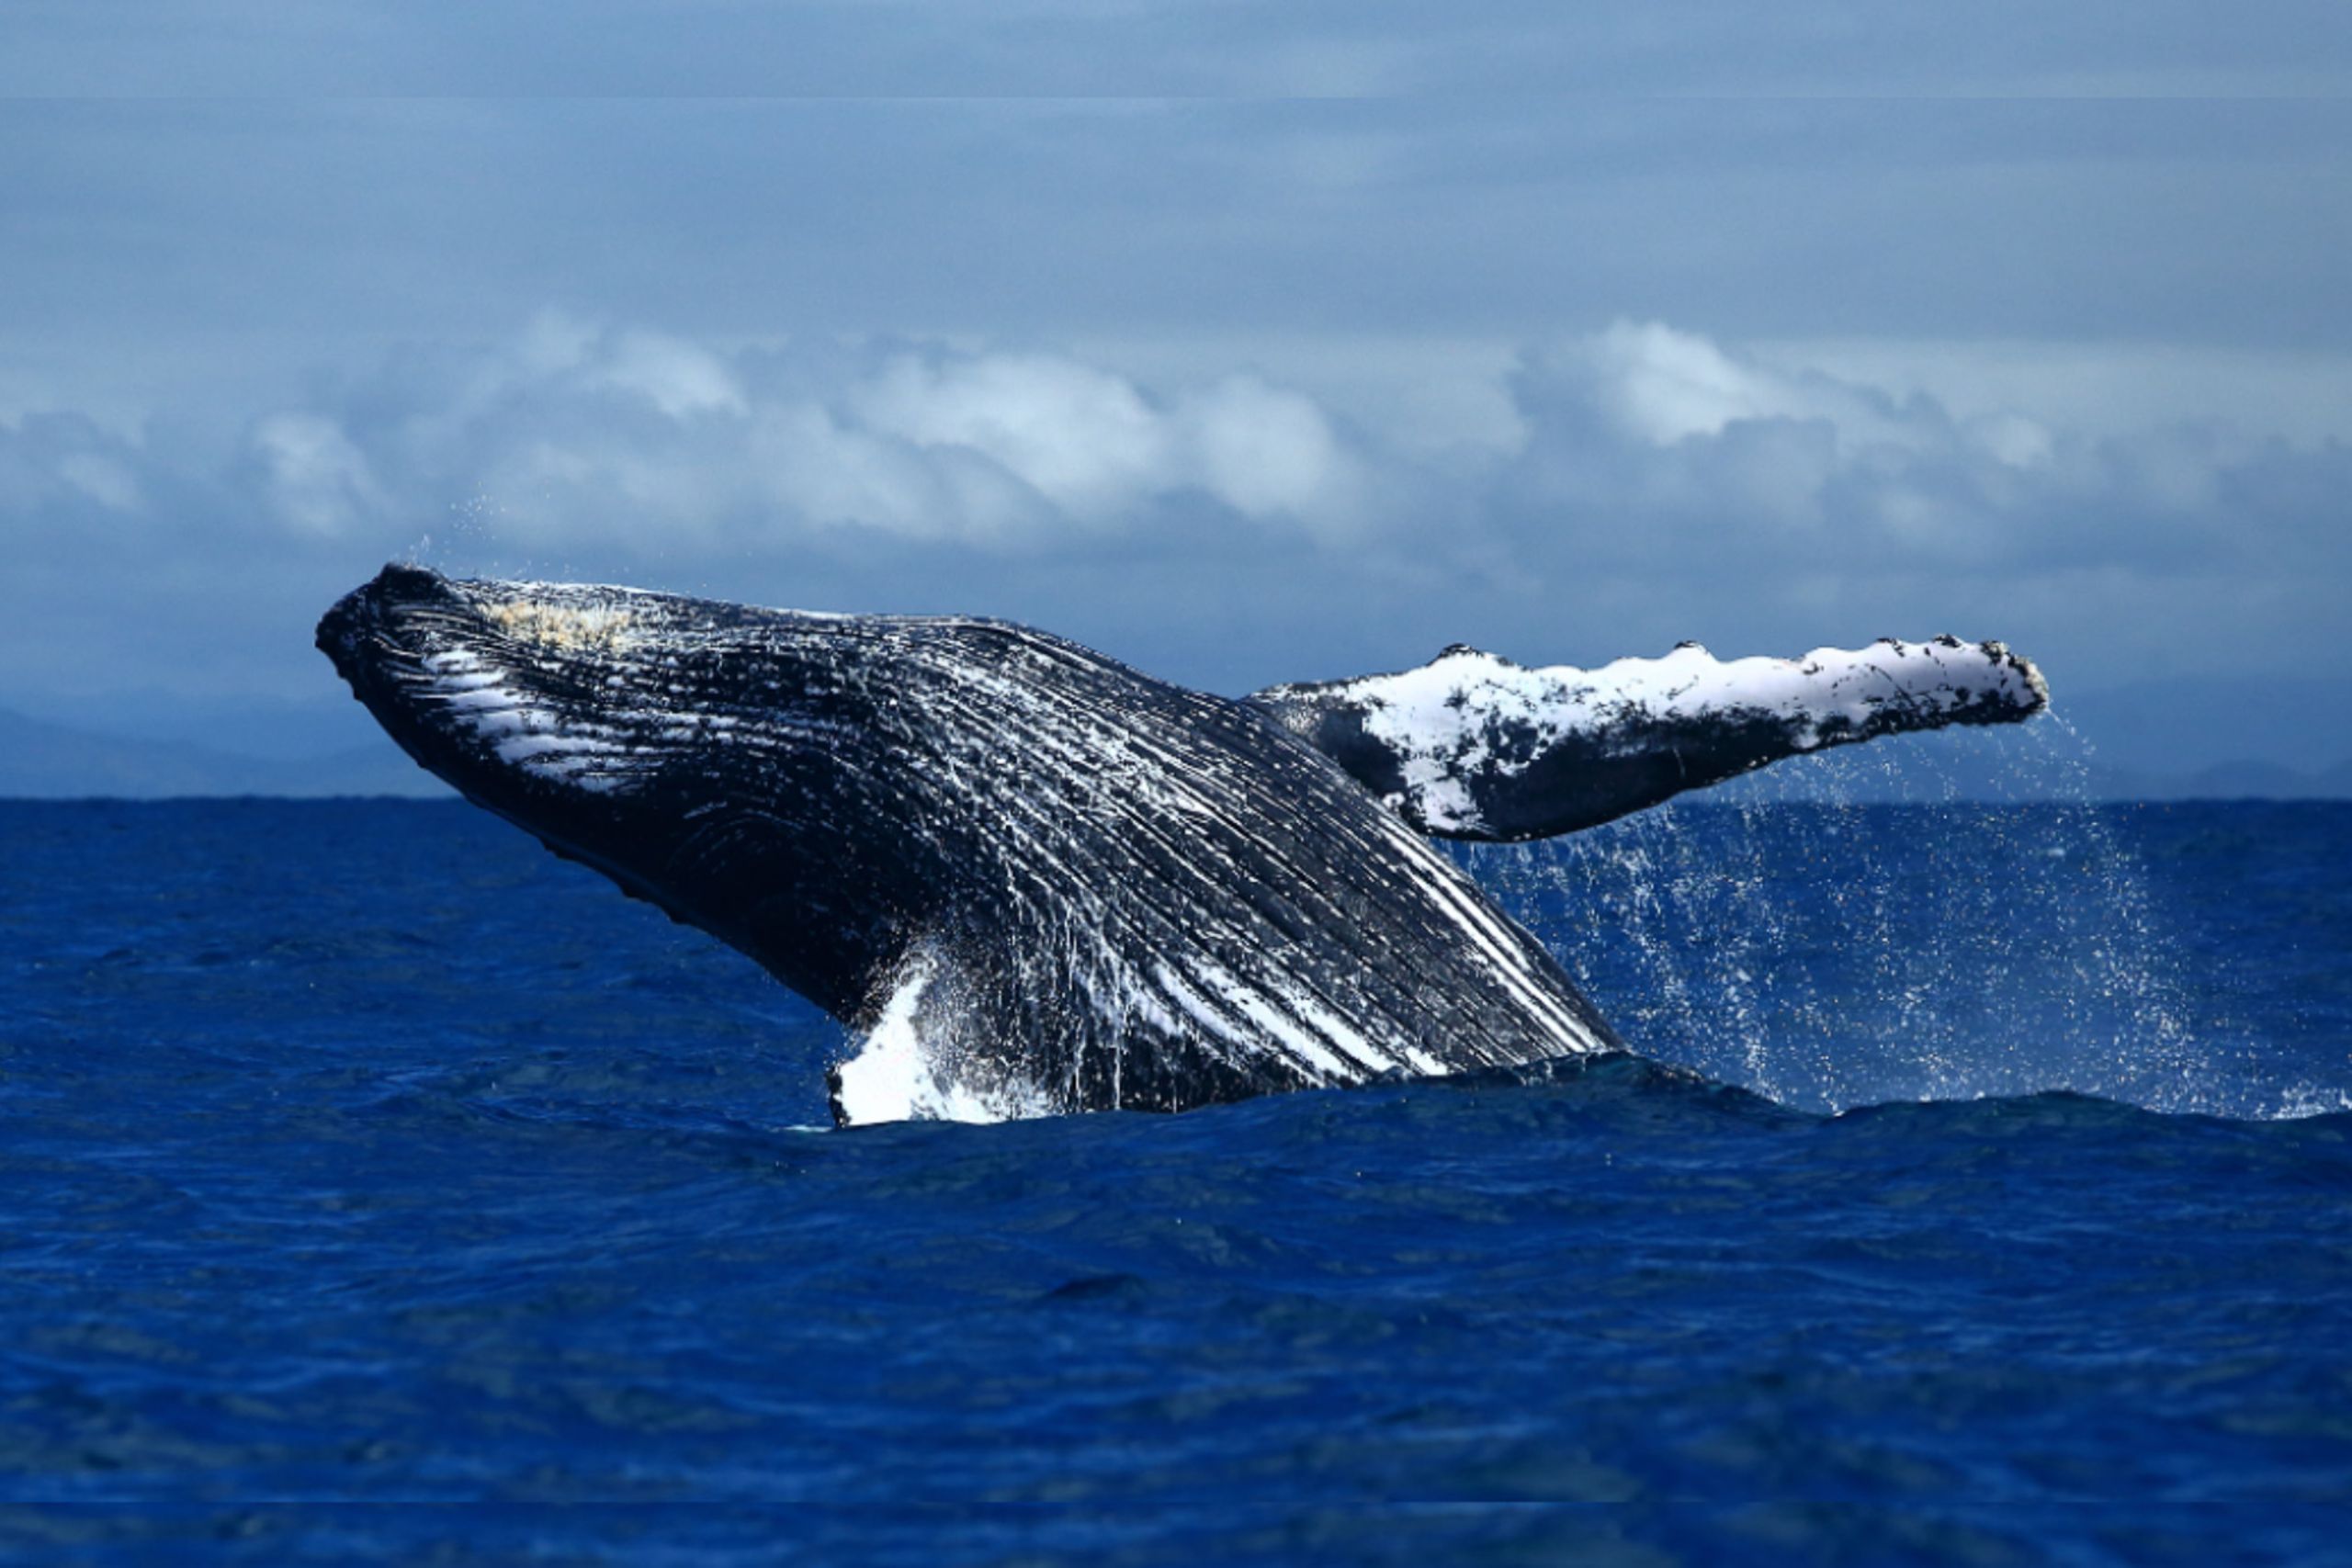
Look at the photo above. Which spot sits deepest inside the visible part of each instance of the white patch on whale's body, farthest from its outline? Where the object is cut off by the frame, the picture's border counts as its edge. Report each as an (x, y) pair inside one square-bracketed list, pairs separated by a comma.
[(1444, 721), (602, 756), (906, 1069), (522, 733), (569, 626)]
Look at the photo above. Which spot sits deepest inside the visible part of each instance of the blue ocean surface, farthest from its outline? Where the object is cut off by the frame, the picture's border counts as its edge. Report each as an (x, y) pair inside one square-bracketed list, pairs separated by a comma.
[(1983, 1161)]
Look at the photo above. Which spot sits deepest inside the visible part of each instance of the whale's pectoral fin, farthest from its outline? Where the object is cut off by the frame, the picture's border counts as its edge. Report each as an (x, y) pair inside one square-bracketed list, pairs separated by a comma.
[(1472, 746)]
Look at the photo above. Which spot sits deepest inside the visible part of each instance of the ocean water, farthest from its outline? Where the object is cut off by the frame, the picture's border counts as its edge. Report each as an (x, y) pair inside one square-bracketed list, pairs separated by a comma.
[(1987, 1162)]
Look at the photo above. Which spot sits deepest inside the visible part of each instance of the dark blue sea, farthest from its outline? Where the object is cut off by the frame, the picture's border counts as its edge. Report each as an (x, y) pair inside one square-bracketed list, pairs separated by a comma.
[(1985, 1197)]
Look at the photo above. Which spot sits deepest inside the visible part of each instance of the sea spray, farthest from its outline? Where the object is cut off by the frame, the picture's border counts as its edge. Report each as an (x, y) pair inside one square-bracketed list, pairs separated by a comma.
[(1845, 930)]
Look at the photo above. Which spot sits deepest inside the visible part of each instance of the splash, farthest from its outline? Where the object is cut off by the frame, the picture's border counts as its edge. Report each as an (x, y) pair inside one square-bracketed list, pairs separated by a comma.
[(1945, 922)]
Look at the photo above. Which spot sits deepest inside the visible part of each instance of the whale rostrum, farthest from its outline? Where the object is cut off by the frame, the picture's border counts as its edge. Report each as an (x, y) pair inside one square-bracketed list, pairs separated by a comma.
[(1031, 880)]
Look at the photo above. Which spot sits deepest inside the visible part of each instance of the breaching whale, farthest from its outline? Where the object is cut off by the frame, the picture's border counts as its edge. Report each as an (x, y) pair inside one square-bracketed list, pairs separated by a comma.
[(1031, 880)]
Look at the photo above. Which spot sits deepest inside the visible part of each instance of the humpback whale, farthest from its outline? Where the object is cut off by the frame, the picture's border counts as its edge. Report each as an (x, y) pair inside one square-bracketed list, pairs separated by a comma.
[(1030, 880)]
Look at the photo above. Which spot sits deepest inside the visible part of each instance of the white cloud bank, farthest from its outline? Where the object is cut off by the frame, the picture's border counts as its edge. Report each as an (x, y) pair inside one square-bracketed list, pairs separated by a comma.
[(319, 482), (1600, 495), (577, 435)]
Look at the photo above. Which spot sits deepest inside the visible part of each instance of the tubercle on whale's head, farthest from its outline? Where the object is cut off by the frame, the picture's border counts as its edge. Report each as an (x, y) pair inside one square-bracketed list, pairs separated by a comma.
[(483, 682), (403, 607), (570, 688), (498, 683)]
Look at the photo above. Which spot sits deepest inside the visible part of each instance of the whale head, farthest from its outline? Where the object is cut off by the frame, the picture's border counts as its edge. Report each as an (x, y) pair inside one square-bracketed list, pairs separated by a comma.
[(706, 756)]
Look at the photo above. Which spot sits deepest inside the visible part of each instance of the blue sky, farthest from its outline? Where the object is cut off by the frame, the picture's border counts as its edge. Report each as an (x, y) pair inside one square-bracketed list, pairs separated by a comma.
[(1246, 342)]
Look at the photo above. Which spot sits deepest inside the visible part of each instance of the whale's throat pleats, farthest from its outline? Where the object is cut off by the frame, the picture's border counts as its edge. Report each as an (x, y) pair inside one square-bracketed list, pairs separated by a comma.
[(1158, 899), (1027, 877)]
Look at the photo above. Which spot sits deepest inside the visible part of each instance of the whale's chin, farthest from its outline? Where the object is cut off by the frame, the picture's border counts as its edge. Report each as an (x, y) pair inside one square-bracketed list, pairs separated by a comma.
[(536, 693)]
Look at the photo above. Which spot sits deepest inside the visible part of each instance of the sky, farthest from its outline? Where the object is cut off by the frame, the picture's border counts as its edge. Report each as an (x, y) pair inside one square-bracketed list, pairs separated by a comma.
[(1245, 341)]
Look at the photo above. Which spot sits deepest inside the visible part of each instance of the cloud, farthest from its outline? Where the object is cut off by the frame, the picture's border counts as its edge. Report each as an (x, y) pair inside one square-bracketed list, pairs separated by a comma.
[(576, 433), (1632, 446), (676, 376), (317, 480), (1156, 47), (1270, 452), (1221, 521), (1689, 445), (54, 461), (1665, 386), (1084, 439), (1098, 449)]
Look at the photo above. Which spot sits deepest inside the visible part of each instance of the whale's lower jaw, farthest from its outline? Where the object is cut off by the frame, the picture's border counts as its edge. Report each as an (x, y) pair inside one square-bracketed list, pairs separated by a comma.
[(1030, 880)]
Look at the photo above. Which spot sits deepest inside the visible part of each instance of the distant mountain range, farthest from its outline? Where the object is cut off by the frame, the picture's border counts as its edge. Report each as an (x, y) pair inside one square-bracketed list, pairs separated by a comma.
[(2224, 780), (2186, 723), (46, 761)]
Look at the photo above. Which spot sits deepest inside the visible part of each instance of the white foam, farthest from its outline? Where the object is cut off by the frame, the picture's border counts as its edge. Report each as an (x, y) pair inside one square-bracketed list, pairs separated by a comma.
[(897, 1074)]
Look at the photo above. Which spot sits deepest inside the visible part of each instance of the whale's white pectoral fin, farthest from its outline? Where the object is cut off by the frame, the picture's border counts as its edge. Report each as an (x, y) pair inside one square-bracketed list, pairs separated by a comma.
[(1472, 746)]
